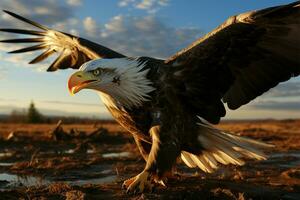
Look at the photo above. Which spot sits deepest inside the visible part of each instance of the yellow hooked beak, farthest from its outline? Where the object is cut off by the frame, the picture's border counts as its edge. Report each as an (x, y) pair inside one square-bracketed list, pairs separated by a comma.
[(79, 80)]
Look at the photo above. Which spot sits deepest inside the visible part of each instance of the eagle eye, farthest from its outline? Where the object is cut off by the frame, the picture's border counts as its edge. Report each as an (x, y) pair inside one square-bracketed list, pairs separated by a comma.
[(96, 72)]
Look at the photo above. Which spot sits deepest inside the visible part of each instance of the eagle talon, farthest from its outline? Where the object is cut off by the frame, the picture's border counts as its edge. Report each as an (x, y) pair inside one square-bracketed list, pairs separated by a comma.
[(139, 183), (161, 182), (127, 182)]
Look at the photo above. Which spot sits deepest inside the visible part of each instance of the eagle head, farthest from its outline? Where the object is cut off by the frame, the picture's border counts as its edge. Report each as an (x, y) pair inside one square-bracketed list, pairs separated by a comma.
[(123, 79)]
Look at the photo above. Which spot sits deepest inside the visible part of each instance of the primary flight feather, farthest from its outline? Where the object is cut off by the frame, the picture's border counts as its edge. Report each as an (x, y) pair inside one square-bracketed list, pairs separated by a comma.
[(162, 102)]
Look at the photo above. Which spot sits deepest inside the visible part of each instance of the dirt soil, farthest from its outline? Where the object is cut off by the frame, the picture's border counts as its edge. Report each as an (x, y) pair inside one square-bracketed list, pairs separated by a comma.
[(91, 162)]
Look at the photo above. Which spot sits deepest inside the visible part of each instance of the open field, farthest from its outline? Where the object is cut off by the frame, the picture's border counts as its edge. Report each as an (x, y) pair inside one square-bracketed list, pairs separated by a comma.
[(91, 162)]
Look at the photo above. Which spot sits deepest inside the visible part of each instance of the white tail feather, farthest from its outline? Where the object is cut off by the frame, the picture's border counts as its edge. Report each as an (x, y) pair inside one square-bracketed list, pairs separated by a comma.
[(186, 157), (224, 148)]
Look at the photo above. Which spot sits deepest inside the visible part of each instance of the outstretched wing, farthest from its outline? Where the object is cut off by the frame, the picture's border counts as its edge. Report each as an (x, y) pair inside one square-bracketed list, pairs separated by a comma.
[(240, 60), (73, 51)]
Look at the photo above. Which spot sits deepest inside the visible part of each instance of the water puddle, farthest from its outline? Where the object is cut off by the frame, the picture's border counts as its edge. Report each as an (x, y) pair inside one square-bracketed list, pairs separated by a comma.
[(4, 164), (6, 154), (90, 151), (284, 159), (69, 151), (10, 181), (117, 155), (290, 164), (102, 180), (16, 181), (105, 155), (295, 154), (106, 171), (72, 151)]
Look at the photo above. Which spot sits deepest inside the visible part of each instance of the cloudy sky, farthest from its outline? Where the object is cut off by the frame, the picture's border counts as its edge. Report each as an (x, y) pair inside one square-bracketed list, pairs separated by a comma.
[(134, 27)]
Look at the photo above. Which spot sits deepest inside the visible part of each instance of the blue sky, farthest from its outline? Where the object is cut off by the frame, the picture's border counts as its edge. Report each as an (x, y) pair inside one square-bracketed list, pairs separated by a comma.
[(135, 27)]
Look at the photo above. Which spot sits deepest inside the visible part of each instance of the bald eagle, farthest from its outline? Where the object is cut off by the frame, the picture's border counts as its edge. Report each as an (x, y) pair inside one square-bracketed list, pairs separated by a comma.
[(170, 106)]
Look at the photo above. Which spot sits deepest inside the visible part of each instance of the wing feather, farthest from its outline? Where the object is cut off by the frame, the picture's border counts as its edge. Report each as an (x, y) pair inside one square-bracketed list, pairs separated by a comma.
[(73, 51), (55, 63), (23, 40), (21, 31), (26, 20), (32, 48), (42, 56), (240, 60)]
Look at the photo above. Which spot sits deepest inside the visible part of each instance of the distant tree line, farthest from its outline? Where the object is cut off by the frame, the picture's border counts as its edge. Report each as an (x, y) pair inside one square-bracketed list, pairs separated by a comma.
[(32, 115)]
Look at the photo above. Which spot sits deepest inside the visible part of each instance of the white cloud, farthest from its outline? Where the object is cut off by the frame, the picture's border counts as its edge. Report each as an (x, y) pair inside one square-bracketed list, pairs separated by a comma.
[(115, 24), (74, 32), (74, 2), (145, 4), (47, 12), (277, 105), (163, 2), (291, 88), (18, 59), (41, 10), (66, 25), (124, 3), (151, 6), (133, 36), (138, 36), (90, 26)]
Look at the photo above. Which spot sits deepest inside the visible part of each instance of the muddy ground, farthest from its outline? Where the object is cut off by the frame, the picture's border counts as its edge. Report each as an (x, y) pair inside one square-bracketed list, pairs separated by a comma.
[(92, 161)]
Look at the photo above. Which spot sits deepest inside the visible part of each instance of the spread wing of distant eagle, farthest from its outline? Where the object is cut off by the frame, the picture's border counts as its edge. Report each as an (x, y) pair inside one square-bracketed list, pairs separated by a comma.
[(162, 103)]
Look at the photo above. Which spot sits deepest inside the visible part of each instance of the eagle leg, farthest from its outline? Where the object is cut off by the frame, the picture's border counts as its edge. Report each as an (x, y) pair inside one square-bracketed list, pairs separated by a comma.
[(163, 154), (143, 147)]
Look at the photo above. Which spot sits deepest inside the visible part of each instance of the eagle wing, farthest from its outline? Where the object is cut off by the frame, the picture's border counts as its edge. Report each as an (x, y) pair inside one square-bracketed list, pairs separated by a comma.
[(240, 60), (73, 51)]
